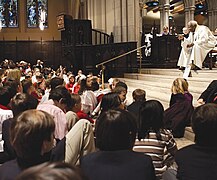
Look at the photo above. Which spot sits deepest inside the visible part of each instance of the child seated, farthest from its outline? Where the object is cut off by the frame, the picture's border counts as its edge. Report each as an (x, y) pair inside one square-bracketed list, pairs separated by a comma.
[(75, 113), (139, 98)]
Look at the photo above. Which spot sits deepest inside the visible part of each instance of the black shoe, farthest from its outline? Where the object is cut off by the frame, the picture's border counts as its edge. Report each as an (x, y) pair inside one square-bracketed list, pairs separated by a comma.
[(190, 75), (195, 68), (182, 68)]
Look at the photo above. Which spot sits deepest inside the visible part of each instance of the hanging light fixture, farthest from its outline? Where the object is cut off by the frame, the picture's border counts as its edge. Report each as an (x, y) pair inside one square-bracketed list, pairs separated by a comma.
[(152, 3), (201, 8)]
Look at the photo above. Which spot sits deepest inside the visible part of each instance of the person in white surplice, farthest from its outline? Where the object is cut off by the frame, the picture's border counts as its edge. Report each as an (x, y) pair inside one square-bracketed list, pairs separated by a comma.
[(196, 47), (185, 52)]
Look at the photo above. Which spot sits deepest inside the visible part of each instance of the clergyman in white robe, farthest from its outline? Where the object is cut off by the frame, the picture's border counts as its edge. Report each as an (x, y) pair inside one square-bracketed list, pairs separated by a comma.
[(202, 41)]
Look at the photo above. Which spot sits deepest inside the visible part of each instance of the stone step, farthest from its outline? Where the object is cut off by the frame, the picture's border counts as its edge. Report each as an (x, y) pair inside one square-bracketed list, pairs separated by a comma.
[(197, 81), (182, 142), (157, 83), (150, 95), (194, 88), (189, 134), (176, 72), (159, 91)]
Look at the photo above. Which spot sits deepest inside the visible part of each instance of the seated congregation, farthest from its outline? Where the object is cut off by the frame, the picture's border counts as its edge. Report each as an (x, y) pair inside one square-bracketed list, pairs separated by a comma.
[(58, 125)]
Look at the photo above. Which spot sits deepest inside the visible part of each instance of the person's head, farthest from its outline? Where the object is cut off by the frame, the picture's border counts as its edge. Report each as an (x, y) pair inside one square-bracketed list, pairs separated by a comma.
[(14, 74), (56, 81), (15, 86), (51, 171), (36, 71), (180, 85), (115, 130), (21, 102), (27, 86), (94, 84), (121, 91), (39, 61), (28, 75), (110, 101), (204, 125), (86, 84), (122, 84), (165, 29), (61, 97), (32, 134), (192, 26), (89, 81), (139, 95), (185, 30), (80, 72), (5, 95), (151, 117), (71, 78), (76, 102), (113, 82)]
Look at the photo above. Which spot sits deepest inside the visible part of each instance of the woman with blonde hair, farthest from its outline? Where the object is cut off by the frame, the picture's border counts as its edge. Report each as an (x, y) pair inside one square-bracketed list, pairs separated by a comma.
[(180, 85), (13, 74), (178, 115)]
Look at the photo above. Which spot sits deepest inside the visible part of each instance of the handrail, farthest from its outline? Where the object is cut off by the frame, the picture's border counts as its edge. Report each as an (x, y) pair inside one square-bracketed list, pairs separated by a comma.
[(101, 32), (98, 37), (112, 59)]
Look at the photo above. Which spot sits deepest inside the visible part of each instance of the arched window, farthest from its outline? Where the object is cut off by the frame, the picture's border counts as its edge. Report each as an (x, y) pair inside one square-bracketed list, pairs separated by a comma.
[(8, 13), (37, 13)]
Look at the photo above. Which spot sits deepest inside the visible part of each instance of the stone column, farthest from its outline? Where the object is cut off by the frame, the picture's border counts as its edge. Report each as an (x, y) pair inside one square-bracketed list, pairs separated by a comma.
[(161, 17), (91, 10), (210, 17), (187, 16), (214, 18), (76, 10), (104, 15), (212, 14), (189, 10), (117, 21), (166, 14), (124, 17), (84, 4), (191, 15)]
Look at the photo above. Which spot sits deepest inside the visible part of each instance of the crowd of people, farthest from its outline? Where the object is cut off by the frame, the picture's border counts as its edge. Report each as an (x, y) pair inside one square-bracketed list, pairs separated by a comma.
[(58, 125)]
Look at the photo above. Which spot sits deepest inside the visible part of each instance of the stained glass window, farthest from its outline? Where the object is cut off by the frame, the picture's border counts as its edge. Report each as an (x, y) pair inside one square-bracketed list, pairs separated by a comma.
[(37, 13), (8, 13)]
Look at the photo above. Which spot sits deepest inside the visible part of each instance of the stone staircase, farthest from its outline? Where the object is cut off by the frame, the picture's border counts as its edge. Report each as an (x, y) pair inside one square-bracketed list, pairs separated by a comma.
[(157, 84)]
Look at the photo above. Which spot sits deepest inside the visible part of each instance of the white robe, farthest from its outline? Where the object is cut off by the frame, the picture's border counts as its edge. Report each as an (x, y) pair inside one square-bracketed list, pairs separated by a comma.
[(185, 54), (204, 41)]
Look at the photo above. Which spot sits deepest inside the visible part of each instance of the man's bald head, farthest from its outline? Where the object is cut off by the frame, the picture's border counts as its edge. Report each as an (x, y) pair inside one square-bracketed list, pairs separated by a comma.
[(192, 25)]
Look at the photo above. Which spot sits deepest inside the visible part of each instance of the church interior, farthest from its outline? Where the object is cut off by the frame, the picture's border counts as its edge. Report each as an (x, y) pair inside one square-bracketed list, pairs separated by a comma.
[(140, 43), (127, 24)]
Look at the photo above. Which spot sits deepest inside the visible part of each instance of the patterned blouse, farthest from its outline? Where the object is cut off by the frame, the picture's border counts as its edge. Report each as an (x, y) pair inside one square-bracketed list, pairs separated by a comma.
[(157, 149)]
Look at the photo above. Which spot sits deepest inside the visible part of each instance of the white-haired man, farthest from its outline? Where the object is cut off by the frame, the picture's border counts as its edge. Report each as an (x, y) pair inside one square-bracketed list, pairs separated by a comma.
[(198, 44)]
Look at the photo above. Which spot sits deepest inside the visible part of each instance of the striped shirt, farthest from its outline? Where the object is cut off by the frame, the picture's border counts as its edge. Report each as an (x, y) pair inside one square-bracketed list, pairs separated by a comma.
[(157, 149)]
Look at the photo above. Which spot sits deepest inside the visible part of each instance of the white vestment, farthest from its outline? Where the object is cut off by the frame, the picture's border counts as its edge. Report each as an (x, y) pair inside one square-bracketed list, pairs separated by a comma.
[(204, 41), (185, 54)]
